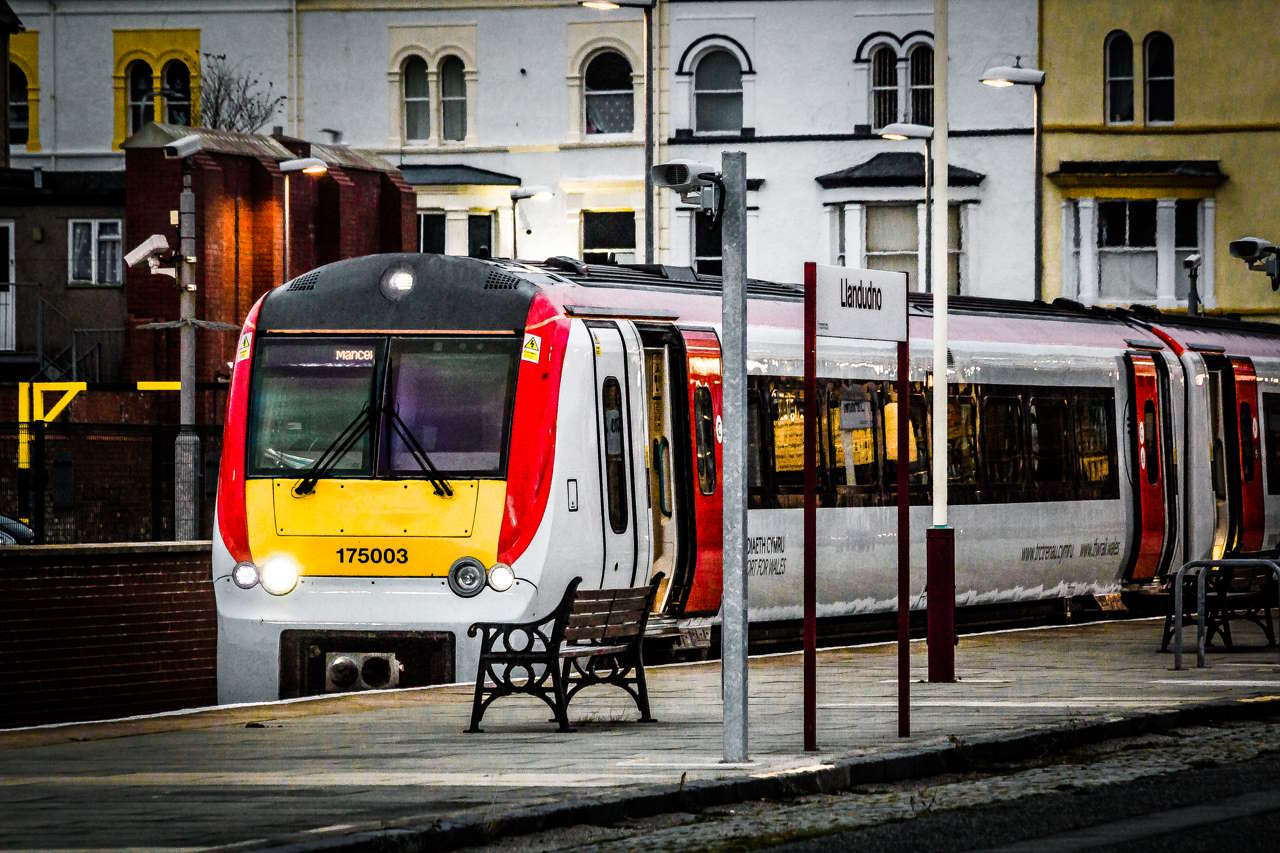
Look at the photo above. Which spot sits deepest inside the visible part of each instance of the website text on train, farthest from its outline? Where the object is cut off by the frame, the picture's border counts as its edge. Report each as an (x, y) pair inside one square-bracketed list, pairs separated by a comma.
[(416, 442)]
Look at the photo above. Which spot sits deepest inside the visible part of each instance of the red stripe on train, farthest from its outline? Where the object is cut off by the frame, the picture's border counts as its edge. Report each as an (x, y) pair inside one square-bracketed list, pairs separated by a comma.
[(232, 518)]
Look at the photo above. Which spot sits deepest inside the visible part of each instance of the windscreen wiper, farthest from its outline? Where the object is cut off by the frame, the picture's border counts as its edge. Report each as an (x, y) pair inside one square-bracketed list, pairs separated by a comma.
[(438, 482), (335, 451)]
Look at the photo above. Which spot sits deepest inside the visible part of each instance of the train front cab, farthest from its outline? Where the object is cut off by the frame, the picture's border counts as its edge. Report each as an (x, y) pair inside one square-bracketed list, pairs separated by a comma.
[(1229, 510)]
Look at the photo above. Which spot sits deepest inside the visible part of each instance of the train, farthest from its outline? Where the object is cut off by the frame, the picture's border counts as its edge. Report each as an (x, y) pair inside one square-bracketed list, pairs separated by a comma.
[(414, 443)]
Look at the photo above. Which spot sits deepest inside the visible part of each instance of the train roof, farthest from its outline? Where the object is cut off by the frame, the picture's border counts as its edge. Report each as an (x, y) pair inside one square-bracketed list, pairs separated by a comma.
[(470, 293)]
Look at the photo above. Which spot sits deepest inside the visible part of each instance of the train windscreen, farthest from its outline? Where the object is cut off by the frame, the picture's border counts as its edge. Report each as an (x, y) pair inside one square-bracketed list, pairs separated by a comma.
[(356, 398)]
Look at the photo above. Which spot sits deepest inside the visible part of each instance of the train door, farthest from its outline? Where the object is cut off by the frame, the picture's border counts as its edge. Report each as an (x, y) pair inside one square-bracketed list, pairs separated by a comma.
[(1220, 439), (1150, 467), (667, 502), (1246, 465), (698, 588), (621, 513)]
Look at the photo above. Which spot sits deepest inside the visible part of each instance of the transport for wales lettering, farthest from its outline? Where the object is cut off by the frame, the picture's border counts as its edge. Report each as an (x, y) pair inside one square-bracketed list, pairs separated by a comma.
[(766, 555)]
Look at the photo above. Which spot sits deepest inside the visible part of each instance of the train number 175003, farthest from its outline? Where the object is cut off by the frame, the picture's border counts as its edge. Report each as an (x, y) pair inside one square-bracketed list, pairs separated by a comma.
[(373, 555)]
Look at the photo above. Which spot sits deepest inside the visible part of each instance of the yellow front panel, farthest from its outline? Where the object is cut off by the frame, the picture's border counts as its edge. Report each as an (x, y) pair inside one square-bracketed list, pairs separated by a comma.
[(337, 529)]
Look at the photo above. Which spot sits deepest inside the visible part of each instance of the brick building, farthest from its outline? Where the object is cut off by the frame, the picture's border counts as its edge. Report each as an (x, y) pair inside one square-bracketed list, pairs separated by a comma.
[(360, 206)]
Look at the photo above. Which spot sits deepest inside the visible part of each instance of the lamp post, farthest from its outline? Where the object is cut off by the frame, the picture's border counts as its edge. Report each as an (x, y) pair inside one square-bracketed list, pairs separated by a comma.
[(313, 166), (648, 7), (901, 131), (518, 196), (1002, 77)]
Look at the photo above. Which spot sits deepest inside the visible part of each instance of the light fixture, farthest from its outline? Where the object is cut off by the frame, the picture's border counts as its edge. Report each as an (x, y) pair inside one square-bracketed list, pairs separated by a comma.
[(280, 575), (535, 193), (466, 577), (501, 577), (602, 5), (245, 575), (1002, 76), (306, 165), (396, 282), (901, 130)]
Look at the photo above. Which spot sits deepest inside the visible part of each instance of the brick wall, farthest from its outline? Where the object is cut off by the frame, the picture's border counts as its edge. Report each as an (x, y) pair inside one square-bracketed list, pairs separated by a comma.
[(101, 631)]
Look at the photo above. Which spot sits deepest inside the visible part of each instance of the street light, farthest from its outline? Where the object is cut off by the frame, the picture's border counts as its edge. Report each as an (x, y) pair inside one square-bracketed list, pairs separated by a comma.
[(648, 7), (1002, 77), (900, 131), (313, 166), (518, 196)]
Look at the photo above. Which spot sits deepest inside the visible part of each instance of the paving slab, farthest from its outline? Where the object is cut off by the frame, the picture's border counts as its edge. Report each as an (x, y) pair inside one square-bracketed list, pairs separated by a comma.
[(393, 770)]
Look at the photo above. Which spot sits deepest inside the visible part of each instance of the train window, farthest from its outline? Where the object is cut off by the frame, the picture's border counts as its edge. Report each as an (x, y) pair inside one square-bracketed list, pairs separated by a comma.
[(850, 441), (615, 461), (1095, 454), (306, 393), (1047, 422), (917, 447), (1151, 443), (704, 422), (784, 423), (962, 444), (1002, 441), (1246, 441), (1271, 402), (455, 398)]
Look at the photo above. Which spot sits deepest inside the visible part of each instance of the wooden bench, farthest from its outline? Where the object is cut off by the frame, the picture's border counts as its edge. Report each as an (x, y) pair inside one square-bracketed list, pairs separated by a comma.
[(591, 637)]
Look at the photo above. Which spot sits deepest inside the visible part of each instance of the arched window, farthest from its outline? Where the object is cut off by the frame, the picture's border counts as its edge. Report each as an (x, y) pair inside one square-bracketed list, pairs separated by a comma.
[(177, 93), (884, 87), (19, 114), (453, 99), (417, 100), (717, 93), (1118, 54), (922, 84), (1159, 71), (141, 97), (608, 95)]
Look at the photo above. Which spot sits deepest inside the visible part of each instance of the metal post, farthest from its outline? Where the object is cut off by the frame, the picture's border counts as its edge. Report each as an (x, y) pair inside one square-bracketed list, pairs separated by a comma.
[(904, 543), (733, 234), (1193, 293), (286, 226), (515, 228), (941, 539), (928, 214), (187, 445), (40, 481), (1038, 143), (810, 506), (648, 133)]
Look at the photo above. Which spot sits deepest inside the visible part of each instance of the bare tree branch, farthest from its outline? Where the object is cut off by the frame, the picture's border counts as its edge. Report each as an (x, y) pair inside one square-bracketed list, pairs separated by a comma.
[(233, 98)]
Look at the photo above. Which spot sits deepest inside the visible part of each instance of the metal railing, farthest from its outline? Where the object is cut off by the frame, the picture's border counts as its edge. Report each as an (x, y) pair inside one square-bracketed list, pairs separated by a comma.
[(1201, 567)]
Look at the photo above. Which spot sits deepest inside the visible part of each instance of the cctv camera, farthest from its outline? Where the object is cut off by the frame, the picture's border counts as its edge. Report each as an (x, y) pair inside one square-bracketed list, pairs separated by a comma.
[(1191, 262), (683, 176), (153, 246), (190, 144), (1250, 249)]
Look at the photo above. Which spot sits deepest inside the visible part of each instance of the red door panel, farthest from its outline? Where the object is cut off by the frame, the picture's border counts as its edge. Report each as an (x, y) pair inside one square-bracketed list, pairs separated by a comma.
[(1252, 516), (703, 351), (1148, 460)]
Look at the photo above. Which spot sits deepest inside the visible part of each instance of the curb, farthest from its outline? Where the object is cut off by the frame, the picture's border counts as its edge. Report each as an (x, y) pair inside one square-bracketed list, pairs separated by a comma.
[(413, 834)]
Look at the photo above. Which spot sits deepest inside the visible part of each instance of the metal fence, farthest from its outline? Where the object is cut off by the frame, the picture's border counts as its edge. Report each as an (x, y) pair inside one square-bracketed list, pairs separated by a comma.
[(101, 482)]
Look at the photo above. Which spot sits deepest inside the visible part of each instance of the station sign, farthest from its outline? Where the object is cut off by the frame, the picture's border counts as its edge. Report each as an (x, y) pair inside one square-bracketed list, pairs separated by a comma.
[(866, 304)]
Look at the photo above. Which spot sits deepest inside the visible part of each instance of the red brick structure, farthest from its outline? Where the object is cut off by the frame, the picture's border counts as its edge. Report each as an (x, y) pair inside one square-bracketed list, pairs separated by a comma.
[(361, 206)]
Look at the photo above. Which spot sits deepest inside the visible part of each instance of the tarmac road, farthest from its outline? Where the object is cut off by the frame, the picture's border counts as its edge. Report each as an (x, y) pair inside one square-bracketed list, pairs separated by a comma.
[(1213, 787)]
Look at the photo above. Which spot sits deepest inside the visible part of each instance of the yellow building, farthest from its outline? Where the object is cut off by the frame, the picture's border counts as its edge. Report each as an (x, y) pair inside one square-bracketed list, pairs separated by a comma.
[(1161, 142)]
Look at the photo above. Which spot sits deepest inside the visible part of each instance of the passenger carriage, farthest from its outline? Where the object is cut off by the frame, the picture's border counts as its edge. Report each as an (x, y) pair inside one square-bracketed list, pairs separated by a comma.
[(418, 442)]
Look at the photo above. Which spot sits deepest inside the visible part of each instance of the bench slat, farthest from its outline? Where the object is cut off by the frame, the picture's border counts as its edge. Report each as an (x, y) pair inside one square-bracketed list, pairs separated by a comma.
[(601, 617), (591, 651), (598, 634), (610, 596)]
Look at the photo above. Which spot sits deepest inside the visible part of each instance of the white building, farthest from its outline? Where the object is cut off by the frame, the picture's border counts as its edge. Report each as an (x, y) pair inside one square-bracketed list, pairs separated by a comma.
[(474, 99)]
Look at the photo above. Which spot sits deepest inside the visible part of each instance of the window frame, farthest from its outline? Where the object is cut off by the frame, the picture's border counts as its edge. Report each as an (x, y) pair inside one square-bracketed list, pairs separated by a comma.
[(1109, 77), (704, 430), (913, 88), (147, 102), (94, 240), (422, 218), (588, 93), (1271, 441), (585, 249), (884, 89), (169, 101), (1148, 78), (696, 92), (406, 100), (446, 100), (20, 106)]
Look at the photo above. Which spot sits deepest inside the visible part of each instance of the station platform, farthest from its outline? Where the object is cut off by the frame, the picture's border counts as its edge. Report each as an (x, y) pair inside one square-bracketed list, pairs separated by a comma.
[(396, 770)]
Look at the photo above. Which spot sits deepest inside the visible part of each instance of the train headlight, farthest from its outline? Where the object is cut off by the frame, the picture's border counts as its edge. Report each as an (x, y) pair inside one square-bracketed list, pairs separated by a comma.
[(279, 575), (397, 282), (501, 577), (245, 575), (466, 577)]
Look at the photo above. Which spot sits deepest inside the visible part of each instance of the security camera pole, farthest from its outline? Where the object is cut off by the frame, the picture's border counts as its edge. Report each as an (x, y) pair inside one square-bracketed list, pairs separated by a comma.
[(186, 522), (733, 343)]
